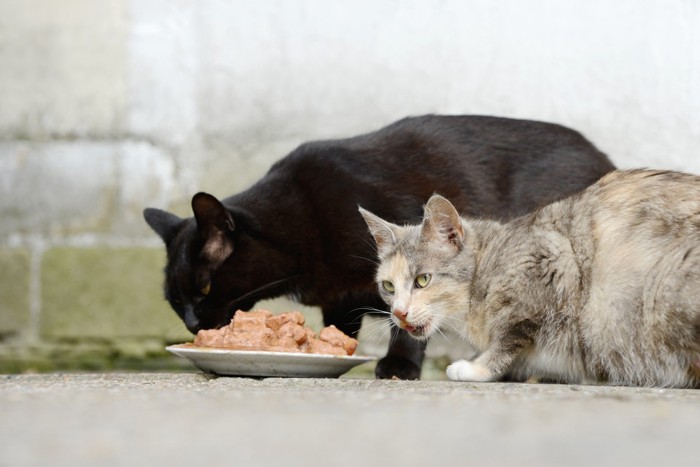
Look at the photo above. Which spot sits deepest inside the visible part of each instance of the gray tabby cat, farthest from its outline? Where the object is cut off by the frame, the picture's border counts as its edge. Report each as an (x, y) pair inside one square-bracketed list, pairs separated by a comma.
[(601, 287)]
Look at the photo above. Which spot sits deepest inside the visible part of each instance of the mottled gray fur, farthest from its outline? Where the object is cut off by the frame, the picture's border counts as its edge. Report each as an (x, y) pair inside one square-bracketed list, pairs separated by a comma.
[(603, 286)]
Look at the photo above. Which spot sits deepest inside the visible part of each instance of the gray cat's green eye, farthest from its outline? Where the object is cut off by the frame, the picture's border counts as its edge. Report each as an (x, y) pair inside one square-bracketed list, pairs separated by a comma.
[(388, 286), (422, 280)]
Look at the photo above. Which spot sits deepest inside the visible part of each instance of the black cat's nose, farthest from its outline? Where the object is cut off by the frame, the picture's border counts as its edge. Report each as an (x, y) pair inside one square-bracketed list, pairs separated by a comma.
[(191, 320)]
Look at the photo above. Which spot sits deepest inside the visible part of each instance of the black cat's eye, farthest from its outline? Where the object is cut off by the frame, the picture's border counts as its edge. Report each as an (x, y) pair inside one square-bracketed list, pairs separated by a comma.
[(206, 289), (422, 280), (388, 286)]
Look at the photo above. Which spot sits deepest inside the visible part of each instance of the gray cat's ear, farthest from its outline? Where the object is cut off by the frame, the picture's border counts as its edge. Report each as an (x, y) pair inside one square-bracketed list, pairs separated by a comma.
[(441, 222), (215, 225), (383, 232)]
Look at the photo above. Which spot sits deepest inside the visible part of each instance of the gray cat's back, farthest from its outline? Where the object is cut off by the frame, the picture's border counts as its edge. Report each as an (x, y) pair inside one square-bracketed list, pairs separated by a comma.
[(640, 219), (645, 277), (617, 270)]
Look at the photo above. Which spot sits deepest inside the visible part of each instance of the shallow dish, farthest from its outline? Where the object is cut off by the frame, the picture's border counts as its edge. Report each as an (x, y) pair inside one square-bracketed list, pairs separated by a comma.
[(261, 364)]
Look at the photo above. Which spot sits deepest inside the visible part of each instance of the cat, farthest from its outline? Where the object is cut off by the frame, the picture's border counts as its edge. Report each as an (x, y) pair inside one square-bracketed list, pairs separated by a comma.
[(296, 232), (600, 287)]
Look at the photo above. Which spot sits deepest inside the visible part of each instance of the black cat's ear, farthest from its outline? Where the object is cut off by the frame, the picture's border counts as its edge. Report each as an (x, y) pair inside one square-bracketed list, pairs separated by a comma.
[(165, 224), (215, 224), (441, 222), (384, 233)]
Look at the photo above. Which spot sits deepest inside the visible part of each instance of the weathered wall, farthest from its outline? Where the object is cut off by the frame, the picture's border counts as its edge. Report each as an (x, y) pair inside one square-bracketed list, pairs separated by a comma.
[(111, 106)]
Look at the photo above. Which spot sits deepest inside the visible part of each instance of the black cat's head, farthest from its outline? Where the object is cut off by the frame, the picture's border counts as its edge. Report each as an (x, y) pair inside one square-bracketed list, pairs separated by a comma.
[(201, 280)]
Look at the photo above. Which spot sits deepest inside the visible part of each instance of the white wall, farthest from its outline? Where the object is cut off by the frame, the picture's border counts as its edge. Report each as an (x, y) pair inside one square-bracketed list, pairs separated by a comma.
[(217, 90)]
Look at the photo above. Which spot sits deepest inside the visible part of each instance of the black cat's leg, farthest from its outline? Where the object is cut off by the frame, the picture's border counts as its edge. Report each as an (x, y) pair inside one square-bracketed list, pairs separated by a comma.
[(404, 358), (495, 362)]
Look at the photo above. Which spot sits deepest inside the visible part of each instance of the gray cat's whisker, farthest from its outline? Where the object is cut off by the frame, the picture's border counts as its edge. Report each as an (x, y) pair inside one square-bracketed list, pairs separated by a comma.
[(381, 325), (375, 312), (371, 260), (359, 318), (370, 310), (451, 326), (369, 243), (371, 330), (453, 323), (387, 330), (447, 338)]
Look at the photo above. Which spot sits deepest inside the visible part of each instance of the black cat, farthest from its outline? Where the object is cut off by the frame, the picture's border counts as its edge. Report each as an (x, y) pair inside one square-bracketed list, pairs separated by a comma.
[(297, 231)]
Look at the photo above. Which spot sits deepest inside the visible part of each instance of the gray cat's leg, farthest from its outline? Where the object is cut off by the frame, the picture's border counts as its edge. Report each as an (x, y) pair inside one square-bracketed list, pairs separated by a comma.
[(495, 361)]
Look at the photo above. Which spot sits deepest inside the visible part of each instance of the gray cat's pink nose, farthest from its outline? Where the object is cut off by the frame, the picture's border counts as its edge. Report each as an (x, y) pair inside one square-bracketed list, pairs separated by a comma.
[(402, 315)]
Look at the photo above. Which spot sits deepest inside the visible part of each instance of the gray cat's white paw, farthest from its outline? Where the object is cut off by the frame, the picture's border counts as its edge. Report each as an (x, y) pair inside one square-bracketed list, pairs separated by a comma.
[(463, 370)]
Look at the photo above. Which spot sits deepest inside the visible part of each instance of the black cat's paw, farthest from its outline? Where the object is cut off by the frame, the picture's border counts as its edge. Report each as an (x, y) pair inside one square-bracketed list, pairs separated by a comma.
[(402, 368)]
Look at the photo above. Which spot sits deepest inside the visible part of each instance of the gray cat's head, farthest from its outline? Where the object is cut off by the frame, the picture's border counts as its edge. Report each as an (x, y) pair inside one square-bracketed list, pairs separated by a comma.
[(425, 270)]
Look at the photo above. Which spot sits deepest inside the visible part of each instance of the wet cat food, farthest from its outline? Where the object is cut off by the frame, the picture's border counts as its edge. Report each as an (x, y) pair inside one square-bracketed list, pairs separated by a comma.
[(285, 332)]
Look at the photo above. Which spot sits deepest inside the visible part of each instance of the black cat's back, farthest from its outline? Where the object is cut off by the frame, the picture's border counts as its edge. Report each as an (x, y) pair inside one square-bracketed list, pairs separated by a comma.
[(491, 166)]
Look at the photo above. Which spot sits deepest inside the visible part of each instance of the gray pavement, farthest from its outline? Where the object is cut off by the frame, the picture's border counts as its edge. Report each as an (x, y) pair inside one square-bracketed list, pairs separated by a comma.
[(194, 419)]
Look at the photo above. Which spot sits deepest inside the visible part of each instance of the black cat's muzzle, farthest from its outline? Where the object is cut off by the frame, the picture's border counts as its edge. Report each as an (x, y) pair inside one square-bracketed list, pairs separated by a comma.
[(189, 317), (196, 320)]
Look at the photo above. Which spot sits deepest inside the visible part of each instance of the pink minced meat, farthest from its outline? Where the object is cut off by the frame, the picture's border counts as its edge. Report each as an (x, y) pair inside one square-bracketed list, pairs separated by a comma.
[(285, 332)]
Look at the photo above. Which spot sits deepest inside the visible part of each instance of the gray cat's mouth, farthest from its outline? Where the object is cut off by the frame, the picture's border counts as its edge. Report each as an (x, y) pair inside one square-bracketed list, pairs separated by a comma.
[(420, 330)]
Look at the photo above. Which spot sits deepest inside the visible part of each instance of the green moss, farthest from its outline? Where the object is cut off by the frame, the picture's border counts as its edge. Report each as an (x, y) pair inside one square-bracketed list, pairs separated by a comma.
[(14, 290), (89, 356), (107, 293)]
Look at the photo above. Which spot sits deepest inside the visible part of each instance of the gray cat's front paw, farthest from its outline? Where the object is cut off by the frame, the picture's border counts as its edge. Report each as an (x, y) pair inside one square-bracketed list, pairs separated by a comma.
[(462, 370)]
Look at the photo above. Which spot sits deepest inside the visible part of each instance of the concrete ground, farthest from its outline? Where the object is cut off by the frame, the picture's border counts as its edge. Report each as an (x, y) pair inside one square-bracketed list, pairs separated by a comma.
[(172, 419)]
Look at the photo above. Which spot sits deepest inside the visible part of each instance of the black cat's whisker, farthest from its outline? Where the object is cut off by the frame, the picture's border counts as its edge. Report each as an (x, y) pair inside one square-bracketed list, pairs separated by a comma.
[(260, 289)]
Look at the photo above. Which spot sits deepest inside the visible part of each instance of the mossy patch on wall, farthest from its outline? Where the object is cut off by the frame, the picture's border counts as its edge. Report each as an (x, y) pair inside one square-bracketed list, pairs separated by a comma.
[(106, 293), (14, 290)]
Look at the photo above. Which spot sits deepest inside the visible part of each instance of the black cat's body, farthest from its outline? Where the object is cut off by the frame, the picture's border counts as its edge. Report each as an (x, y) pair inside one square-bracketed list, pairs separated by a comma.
[(297, 231)]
